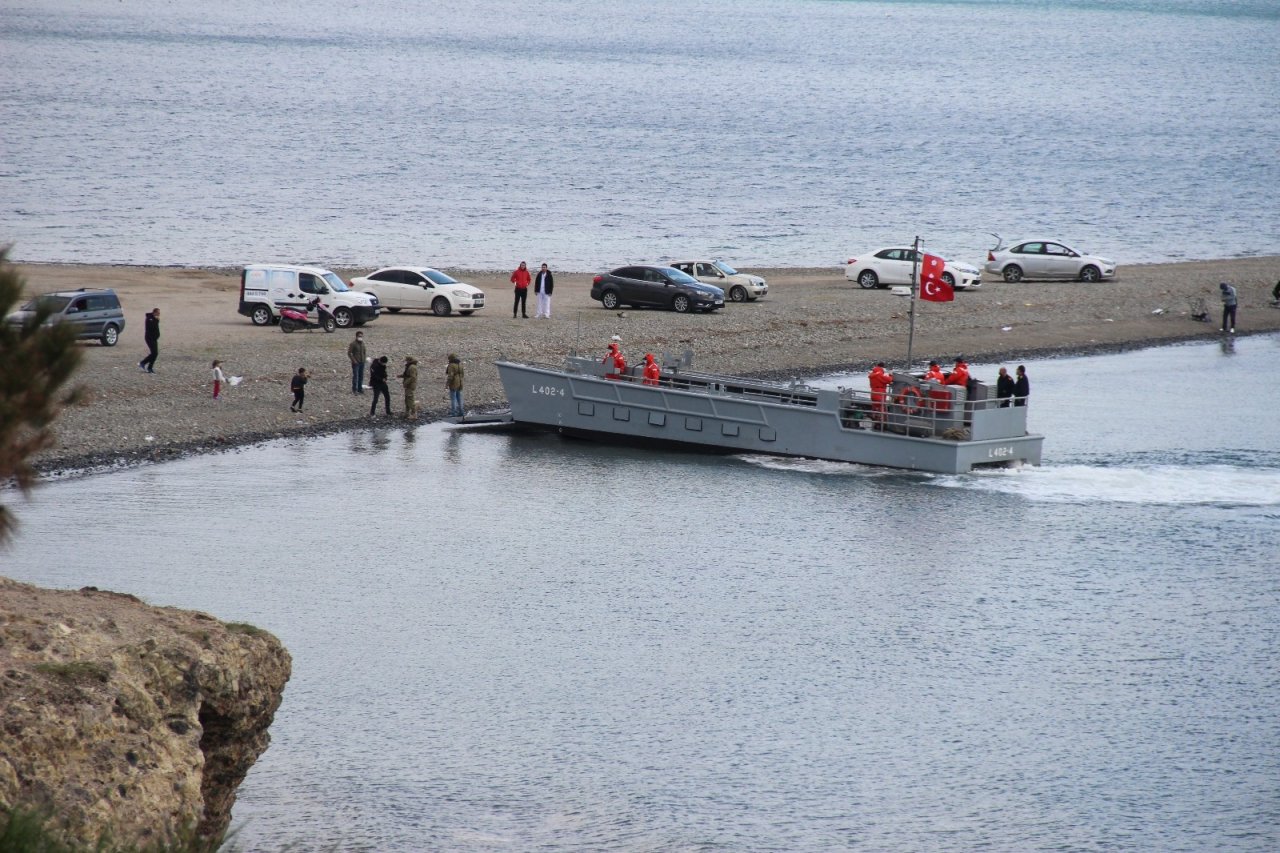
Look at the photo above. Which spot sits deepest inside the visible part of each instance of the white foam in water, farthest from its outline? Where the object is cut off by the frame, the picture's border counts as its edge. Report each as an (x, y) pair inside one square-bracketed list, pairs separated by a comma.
[(1153, 484), (817, 466)]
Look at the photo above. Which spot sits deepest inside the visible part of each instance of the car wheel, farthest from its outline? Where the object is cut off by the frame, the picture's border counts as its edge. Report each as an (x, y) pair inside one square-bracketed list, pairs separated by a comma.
[(394, 310), (949, 280), (344, 318), (440, 306), (329, 324), (868, 280), (110, 335), (466, 313), (261, 315), (738, 293), (1012, 273), (680, 304), (1090, 273), (609, 299)]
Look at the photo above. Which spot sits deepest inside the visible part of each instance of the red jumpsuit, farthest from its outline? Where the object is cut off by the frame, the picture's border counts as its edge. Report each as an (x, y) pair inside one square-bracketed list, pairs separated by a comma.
[(934, 374), (651, 371), (960, 375), (880, 381)]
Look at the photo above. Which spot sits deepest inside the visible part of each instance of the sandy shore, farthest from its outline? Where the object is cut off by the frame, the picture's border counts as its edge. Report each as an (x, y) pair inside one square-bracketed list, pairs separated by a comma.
[(812, 321)]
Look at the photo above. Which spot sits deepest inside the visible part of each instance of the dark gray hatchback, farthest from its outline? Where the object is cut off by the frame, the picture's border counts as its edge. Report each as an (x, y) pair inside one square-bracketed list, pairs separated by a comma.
[(95, 314), (654, 286)]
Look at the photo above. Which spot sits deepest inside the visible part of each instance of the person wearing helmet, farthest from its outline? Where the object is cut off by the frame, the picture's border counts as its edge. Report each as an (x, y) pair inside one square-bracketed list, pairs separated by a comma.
[(614, 359)]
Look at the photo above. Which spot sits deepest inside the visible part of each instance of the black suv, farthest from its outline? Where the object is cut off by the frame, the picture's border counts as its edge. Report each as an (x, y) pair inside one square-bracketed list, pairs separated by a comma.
[(96, 314), (661, 287)]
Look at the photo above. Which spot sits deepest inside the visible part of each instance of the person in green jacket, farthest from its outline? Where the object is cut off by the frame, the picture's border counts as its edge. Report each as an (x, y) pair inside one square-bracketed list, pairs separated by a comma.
[(453, 379), (410, 379)]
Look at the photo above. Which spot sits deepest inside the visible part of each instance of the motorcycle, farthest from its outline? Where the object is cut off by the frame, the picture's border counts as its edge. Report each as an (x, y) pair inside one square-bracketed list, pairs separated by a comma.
[(292, 319)]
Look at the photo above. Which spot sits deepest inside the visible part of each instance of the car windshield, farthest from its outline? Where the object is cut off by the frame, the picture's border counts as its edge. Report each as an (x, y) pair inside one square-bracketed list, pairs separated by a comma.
[(336, 284), (438, 277), (50, 302), (725, 268), (677, 276)]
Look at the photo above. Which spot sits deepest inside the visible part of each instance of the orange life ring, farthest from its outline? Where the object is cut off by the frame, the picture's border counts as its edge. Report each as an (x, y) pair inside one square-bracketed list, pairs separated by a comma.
[(901, 400)]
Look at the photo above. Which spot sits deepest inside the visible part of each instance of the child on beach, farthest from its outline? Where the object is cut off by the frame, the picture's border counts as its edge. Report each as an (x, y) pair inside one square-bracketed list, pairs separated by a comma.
[(219, 379), (298, 385)]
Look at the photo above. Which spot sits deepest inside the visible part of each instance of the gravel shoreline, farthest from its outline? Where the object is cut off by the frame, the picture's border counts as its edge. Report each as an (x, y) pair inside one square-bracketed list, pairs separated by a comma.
[(812, 322)]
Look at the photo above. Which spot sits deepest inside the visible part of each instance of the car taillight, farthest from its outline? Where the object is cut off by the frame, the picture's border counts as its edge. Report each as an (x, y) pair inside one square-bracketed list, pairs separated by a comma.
[(597, 279), (991, 256)]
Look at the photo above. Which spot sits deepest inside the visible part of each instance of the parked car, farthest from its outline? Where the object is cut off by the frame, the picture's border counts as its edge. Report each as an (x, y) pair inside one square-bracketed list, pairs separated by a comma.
[(1046, 259), (420, 289), (660, 287), (265, 289), (95, 314), (738, 286), (893, 265)]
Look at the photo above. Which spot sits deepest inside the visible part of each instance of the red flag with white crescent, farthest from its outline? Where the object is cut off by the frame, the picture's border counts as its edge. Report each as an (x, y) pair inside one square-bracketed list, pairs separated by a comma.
[(932, 287)]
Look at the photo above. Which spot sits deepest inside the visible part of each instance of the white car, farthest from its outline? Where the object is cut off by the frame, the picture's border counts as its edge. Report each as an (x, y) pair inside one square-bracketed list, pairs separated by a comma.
[(420, 289), (893, 265), (738, 286), (1046, 259)]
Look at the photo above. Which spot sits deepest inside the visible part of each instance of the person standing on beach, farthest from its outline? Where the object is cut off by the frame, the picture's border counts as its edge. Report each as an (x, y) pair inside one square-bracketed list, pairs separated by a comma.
[(409, 376), (1004, 388), (219, 379), (520, 278), (151, 334), (543, 283), (1021, 387), (298, 385), (453, 381), (356, 353), (1228, 307), (378, 382)]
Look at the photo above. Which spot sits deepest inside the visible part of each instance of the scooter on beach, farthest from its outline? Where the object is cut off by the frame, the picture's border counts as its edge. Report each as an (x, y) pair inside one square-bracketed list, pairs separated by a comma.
[(292, 319)]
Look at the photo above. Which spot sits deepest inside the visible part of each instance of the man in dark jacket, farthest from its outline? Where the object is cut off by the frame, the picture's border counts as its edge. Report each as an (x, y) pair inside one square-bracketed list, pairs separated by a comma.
[(378, 382), (543, 283), (1021, 387), (1004, 388), (151, 334)]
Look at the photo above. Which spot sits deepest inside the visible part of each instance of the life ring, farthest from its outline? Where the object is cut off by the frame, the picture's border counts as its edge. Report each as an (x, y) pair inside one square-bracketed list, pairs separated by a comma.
[(901, 400)]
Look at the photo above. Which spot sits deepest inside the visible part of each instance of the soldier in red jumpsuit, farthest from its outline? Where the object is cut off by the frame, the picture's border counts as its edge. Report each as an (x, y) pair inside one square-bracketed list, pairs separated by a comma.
[(934, 373), (651, 370), (614, 357), (880, 381), (959, 375)]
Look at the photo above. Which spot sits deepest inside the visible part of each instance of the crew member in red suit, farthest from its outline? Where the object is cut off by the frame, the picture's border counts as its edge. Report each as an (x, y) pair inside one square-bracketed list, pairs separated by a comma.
[(959, 375), (614, 357), (880, 380), (651, 370), (934, 373)]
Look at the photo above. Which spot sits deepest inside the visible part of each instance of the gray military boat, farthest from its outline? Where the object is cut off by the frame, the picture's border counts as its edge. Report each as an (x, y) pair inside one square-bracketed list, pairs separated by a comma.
[(918, 425)]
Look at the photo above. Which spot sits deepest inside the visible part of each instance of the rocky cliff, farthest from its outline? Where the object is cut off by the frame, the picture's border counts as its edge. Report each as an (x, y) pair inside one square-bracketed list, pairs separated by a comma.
[(128, 719)]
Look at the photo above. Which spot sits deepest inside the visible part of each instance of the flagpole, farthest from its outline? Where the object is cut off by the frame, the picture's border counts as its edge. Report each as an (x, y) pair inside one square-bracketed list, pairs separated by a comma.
[(911, 312)]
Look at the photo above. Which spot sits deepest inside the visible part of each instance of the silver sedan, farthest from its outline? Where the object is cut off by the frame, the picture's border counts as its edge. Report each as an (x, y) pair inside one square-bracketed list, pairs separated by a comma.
[(1047, 259)]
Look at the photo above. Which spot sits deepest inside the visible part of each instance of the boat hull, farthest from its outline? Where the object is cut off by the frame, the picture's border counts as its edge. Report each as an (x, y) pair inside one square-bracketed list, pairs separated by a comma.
[(741, 421)]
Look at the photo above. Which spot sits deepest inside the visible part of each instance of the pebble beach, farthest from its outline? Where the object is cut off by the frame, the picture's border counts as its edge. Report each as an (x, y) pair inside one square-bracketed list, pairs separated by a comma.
[(813, 321)]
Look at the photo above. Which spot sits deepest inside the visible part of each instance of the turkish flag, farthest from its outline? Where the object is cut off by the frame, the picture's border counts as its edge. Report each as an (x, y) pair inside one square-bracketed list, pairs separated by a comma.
[(932, 287)]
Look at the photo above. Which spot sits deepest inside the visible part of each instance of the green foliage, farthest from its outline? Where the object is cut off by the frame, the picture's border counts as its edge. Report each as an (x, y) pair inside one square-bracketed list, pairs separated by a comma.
[(27, 831), (245, 628), (77, 671), (35, 363)]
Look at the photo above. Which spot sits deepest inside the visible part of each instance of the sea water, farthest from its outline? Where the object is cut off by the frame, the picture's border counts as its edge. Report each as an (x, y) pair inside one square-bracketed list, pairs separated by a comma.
[(588, 133), (519, 642)]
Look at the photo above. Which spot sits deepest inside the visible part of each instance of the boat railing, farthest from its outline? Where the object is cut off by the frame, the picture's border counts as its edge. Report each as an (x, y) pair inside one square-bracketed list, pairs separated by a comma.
[(935, 410)]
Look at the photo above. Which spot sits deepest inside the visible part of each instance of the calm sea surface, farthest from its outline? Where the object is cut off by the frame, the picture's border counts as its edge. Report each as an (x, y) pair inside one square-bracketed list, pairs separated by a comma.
[(772, 132), (517, 642)]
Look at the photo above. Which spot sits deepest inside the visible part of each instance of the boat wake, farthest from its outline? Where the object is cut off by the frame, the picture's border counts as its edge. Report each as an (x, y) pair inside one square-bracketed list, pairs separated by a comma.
[(826, 467), (1160, 484)]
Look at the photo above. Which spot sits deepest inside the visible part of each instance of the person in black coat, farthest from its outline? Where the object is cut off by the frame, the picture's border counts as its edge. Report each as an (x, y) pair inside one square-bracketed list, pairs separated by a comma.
[(1004, 388), (151, 334), (543, 283), (378, 382), (1021, 387)]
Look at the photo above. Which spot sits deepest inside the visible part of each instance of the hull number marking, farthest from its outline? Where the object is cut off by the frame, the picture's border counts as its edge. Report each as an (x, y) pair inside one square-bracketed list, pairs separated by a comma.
[(551, 391), (999, 452)]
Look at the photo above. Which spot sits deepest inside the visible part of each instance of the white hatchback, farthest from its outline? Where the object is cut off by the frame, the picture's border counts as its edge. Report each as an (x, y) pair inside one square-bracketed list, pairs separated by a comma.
[(737, 286), (893, 265), (420, 289), (1046, 259)]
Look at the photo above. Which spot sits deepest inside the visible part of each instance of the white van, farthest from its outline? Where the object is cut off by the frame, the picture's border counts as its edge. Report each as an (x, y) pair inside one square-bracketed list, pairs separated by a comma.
[(266, 288)]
